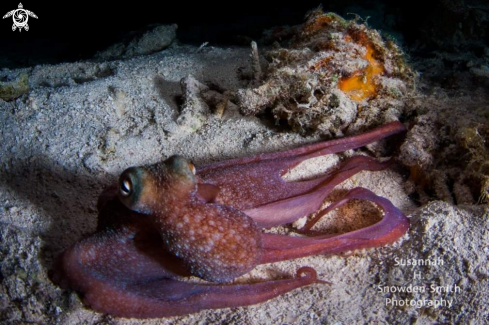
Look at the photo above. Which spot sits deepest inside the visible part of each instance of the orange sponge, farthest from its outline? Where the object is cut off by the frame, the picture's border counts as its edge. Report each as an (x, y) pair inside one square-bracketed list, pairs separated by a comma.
[(361, 85)]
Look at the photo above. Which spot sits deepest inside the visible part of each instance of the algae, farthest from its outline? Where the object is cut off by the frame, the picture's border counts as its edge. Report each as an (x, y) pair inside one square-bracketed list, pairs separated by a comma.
[(11, 90), (332, 77)]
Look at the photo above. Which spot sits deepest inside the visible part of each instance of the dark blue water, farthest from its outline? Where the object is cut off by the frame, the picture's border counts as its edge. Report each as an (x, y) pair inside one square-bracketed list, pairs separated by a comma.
[(73, 31)]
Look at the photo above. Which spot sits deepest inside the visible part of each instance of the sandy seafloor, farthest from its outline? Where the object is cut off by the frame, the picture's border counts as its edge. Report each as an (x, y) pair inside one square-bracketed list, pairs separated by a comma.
[(81, 124)]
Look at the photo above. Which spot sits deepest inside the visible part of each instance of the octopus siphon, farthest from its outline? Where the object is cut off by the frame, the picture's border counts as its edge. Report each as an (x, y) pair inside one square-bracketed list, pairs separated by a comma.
[(166, 222)]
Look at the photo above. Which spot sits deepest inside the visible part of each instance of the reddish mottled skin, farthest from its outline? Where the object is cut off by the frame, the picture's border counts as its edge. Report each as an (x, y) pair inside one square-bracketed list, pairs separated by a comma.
[(167, 221)]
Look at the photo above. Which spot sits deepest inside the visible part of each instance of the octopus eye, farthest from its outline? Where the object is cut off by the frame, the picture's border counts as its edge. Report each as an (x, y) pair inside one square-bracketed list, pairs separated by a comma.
[(126, 187)]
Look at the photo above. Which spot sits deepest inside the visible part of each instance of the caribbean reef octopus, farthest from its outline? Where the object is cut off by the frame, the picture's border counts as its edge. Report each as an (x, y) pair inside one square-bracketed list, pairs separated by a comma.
[(165, 222)]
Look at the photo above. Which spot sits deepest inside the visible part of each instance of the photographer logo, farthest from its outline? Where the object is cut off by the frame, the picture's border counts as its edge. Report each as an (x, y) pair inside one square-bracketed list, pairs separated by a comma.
[(20, 17)]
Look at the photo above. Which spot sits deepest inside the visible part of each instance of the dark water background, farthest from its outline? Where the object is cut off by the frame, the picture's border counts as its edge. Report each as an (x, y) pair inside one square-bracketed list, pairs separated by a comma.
[(71, 31)]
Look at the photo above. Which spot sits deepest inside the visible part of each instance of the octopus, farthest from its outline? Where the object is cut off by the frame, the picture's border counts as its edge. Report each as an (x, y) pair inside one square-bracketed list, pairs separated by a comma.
[(163, 223)]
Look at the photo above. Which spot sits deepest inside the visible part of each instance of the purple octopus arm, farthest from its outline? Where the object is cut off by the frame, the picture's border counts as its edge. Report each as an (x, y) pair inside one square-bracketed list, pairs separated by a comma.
[(393, 225), (121, 276), (250, 182)]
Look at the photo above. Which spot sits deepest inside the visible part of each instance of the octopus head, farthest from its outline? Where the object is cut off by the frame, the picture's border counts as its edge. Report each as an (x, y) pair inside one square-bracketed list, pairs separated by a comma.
[(143, 189)]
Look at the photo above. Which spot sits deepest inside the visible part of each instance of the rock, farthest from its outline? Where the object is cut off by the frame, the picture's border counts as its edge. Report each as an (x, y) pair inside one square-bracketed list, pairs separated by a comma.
[(157, 38)]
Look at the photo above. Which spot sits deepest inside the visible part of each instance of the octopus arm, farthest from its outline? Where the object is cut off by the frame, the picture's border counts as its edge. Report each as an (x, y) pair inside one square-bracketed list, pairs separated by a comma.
[(314, 150), (116, 275), (290, 209), (393, 225), (251, 182)]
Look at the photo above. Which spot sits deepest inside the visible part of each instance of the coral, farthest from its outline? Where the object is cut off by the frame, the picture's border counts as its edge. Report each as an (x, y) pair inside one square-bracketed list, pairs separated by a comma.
[(194, 111), (335, 74), (447, 152)]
